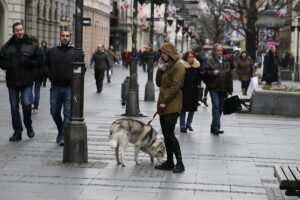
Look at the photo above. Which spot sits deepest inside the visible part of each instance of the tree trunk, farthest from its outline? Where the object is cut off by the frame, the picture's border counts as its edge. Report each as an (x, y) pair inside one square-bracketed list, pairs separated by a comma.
[(251, 38)]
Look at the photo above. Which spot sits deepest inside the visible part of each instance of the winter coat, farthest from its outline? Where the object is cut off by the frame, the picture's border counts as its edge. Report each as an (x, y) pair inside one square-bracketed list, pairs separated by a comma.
[(270, 70), (170, 82), (19, 57), (245, 68), (221, 82), (101, 60), (59, 63), (192, 81)]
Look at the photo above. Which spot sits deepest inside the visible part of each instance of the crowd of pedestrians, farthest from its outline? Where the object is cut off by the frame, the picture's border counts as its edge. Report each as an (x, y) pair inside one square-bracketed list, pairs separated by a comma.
[(180, 80)]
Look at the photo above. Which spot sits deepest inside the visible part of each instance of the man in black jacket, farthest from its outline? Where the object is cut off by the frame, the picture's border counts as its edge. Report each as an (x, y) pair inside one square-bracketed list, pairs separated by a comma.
[(19, 56), (60, 75), (219, 82), (100, 60)]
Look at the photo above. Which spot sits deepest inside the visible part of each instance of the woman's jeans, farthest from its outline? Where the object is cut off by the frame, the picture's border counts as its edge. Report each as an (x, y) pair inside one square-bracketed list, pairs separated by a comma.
[(36, 99), (60, 97), (25, 94), (217, 100), (189, 119), (167, 123)]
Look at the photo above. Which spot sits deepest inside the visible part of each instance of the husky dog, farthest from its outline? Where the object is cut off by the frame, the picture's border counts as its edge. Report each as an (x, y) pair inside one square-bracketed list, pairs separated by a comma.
[(143, 136)]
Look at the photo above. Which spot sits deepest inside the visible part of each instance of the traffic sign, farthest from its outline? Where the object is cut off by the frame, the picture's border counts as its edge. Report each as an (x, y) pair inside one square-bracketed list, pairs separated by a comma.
[(187, 16), (185, 2), (155, 19)]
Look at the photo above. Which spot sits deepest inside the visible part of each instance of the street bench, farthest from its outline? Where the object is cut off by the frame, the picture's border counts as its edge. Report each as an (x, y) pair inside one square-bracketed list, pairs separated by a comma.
[(289, 179), (245, 101)]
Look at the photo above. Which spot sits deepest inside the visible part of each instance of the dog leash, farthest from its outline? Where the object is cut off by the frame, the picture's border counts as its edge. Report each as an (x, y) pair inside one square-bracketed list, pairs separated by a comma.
[(152, 118)]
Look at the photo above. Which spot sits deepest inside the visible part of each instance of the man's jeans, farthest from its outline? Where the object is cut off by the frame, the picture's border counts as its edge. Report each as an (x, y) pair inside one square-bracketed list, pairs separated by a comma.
[(36, 99), (60, 97), (189, 119), (217, 100), (26, 100)]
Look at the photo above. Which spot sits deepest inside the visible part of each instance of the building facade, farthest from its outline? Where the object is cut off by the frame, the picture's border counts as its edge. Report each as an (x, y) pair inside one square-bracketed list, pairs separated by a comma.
[(41, 18), (97, 32)]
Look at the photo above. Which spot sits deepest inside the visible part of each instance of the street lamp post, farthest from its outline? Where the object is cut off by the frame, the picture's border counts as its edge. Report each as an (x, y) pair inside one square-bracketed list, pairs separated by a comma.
[(132, 104), (149, 88), (75, 148), (179, 23), (296, 73)]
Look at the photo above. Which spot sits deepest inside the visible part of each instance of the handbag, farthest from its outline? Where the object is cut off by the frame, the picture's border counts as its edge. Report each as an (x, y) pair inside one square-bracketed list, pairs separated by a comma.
[(232, 105)]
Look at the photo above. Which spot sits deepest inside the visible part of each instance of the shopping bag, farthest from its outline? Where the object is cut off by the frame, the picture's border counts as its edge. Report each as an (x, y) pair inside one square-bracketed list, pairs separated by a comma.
[(200, 93), (232, 105), (254, 82)]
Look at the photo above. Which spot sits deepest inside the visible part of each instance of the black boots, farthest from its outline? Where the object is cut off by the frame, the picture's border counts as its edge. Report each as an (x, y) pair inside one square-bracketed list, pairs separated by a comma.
[(179, 167), (30, 132), (15, 137), (165, 166)]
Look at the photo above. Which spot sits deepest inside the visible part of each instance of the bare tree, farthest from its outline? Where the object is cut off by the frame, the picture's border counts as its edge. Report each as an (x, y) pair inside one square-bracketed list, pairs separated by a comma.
[(241, 15), (212, 21)]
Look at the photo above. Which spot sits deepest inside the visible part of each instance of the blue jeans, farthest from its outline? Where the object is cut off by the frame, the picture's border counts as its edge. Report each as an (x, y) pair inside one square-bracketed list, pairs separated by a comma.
[(60, 97), (189, 119), (25, 94), (217, 101), (36, 99)]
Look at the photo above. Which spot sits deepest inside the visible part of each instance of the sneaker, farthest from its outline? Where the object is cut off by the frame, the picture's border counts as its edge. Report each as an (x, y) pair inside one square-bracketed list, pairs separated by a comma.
[(179, 168), (30, 133), (15, 137), (165, 166), (35, 111), (61, 142)]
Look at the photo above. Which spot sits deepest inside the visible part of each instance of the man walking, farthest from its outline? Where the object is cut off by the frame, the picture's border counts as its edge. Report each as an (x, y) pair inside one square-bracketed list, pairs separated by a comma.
[(60, 75), (219, 82), (100, 61), (19, 56)]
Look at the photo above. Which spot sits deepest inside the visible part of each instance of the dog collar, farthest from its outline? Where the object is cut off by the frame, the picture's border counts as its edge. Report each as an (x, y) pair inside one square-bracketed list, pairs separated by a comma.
[(153, 141)]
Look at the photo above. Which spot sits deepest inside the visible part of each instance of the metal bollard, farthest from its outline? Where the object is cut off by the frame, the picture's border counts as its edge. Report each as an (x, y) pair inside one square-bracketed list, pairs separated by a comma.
[(125, 89)]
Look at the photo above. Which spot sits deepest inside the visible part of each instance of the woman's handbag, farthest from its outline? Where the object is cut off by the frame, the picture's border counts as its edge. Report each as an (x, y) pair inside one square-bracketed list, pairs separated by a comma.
[(232, 105)]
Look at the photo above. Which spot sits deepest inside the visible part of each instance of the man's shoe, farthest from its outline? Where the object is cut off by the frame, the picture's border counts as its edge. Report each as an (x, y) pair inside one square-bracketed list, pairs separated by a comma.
[(183, 130), (215, 132), (61, 142), (179, 168), (189, 128), (99, 91), (30, 133), (165, 166), (35, 111), (221, 132), (15, 137)]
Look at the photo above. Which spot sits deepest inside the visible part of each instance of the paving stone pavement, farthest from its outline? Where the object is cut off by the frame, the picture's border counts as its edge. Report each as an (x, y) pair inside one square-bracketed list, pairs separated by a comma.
[(235, 166)]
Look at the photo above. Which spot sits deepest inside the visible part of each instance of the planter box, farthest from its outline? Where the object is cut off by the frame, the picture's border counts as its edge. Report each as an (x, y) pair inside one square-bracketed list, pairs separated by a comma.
[(275, 103), (286, 75)]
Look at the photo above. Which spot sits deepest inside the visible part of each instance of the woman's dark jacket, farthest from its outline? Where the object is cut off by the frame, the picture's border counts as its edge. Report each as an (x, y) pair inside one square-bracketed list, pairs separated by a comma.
[(223, 81), (270, 71), (59, 63), (192, 81), (19, 57)]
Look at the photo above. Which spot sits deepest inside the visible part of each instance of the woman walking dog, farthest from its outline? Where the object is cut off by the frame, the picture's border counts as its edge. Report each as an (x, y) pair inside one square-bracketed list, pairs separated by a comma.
[(169, 79)]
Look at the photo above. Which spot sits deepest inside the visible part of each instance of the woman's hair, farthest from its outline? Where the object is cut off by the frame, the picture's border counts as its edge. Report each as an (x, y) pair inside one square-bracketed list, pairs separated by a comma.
[(186, 54), (243, 52)]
